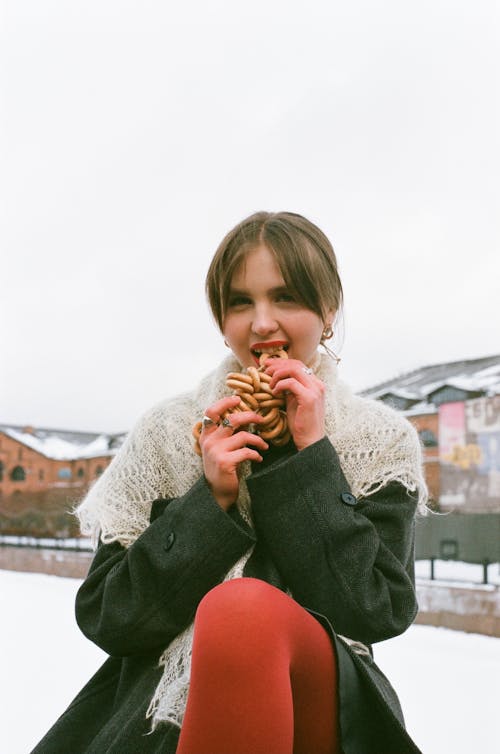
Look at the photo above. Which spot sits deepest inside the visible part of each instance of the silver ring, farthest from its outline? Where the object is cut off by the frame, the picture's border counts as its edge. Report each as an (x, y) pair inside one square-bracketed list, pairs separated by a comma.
[(226, 423), (307, 370), (207, 422)]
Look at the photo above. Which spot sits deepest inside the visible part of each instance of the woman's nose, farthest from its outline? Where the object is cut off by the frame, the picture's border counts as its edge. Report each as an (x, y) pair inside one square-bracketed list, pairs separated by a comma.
[(264, 321)]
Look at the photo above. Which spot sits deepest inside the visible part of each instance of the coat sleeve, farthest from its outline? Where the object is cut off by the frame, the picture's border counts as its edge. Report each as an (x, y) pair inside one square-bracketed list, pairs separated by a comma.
[(350, 560), (139, 598)]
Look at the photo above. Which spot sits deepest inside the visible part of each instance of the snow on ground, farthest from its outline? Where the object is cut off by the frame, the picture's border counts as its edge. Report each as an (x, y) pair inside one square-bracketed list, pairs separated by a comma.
[(448, 681), (464, 574)]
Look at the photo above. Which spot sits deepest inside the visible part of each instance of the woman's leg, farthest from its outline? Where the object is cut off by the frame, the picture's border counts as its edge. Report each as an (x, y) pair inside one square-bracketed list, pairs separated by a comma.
[(263, 678)]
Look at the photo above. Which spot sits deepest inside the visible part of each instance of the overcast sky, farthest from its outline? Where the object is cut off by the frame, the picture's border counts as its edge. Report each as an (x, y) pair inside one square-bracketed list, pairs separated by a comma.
[(135, 134)]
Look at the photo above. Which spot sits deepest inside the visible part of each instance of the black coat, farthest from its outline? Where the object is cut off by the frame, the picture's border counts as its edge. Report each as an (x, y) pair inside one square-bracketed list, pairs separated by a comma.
[(348, 561)]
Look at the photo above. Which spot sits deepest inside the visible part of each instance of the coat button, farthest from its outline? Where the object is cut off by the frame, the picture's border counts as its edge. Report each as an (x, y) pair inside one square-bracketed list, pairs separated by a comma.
[(348, 499), (169, 541)]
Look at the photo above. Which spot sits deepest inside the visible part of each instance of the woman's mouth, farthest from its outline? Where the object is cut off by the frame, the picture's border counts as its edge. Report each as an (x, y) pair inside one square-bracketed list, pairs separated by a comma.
[(272, 349)]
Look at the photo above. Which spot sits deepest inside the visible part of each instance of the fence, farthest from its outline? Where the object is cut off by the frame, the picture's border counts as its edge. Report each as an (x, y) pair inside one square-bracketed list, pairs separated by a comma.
[(74, 544), (466, 537)]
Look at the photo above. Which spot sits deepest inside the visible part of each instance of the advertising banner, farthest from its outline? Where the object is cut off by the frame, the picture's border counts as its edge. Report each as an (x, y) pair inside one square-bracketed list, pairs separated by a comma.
[(469, 452)]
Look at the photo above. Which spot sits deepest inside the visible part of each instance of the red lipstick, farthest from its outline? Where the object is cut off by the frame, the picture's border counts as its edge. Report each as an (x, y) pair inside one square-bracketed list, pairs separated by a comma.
[(268, 344)]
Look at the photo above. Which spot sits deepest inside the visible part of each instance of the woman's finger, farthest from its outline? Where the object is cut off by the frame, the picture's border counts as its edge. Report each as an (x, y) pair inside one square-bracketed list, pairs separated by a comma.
[(242, 439), (292, 385), (240, 419), (219, 443), (215, 411), (295, 369), (245, 454), (223, 433)]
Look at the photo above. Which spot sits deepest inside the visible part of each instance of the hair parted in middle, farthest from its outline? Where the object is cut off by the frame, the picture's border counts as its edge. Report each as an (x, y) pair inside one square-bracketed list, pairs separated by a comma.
[(303, 253)]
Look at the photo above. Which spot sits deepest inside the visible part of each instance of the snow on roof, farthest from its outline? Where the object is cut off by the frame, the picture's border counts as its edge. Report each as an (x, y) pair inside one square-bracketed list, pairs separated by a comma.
[(474, 375), (418, 409), (398, 393), (62, 445)]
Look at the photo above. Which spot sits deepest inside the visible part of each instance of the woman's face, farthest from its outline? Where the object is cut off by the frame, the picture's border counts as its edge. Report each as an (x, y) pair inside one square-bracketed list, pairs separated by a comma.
[(263, 315)]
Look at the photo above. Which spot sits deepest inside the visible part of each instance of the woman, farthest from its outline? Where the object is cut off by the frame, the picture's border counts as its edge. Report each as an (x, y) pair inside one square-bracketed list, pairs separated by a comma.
[(238, 594)]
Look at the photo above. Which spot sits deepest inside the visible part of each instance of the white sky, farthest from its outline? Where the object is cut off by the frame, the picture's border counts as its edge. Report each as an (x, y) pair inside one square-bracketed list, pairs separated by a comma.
[(135, 134)]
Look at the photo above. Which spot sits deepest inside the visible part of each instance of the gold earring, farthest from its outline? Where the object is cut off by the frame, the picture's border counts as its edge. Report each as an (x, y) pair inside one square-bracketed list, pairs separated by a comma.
[(226, 344), (326, 335)]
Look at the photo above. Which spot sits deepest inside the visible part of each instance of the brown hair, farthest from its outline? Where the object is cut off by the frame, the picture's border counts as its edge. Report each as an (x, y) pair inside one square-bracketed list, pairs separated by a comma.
[(304, 255)]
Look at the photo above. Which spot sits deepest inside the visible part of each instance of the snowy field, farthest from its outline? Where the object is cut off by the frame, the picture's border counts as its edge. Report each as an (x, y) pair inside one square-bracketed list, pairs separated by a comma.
[(448, 682), (461, 574)]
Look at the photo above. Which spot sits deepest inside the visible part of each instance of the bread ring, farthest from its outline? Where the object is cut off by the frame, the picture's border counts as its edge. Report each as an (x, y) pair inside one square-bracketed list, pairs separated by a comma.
[(282, 439), (271, 402), (262, 396), (270, 418), (249, 399), (280, 354), (254, 375), (272, 433), (239, 385), (254, 393), (240, 376)]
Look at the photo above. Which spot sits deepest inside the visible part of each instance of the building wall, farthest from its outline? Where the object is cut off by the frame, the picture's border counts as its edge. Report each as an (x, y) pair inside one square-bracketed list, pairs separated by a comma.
[(41, 503), (430, 423), (463, 471), (469, 443), (43, 473)]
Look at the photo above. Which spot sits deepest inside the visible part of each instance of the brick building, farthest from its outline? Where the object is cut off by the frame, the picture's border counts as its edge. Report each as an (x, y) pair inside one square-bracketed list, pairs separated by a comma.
[(455, 408), (44, 472)]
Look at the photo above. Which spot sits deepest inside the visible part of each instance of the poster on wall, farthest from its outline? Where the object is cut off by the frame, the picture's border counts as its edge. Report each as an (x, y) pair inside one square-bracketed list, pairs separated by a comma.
[(451, 451), (469, 453)]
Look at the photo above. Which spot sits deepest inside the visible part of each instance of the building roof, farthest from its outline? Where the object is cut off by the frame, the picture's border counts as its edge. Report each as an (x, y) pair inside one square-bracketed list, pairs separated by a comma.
[(418, 387), (65, 445)]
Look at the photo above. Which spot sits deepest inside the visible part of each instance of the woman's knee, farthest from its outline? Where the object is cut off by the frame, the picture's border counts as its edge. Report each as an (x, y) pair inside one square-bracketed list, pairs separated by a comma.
[(236, 625), (245, 611), (246, 599)]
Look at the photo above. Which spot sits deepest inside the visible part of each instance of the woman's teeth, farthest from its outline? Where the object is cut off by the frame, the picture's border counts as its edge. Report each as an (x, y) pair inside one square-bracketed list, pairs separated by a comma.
[(270, 351)]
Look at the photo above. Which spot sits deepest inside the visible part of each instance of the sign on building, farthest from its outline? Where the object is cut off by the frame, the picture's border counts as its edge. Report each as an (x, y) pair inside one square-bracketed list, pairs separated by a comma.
[(469, 454)]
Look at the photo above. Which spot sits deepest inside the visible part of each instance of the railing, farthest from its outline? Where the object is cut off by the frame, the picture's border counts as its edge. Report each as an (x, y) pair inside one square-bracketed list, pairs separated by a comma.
[(70, 544), (459, 572), (469, 538)]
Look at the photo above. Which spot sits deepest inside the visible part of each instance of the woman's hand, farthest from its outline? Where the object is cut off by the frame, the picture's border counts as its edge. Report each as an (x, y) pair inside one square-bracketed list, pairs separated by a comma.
[(305, 399), (224, 448)]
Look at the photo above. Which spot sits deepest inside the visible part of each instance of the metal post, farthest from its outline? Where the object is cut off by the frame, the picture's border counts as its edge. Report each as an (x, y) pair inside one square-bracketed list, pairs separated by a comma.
[(432, 569), (485, 571)]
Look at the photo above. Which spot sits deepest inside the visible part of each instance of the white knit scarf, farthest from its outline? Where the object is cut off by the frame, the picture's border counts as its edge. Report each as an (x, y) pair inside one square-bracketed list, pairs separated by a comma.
[(375, 446)]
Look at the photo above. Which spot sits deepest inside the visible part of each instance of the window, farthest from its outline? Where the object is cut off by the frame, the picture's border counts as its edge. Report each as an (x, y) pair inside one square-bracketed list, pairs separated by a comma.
[(80, 473), (18, 474), (428, 438), (98, 470), (396, 401), (64, 473)]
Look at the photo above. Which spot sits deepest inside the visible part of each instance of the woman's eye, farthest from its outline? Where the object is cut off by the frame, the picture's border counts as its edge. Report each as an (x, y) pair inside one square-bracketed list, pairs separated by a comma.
[(239, 301), (286, 297)]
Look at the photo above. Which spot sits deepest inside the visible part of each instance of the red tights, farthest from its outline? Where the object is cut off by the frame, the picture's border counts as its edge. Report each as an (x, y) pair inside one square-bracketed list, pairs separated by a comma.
[(263, 677)]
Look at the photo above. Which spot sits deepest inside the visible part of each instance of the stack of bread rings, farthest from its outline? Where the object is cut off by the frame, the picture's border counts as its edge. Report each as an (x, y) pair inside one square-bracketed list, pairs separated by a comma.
[(252, 386)]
